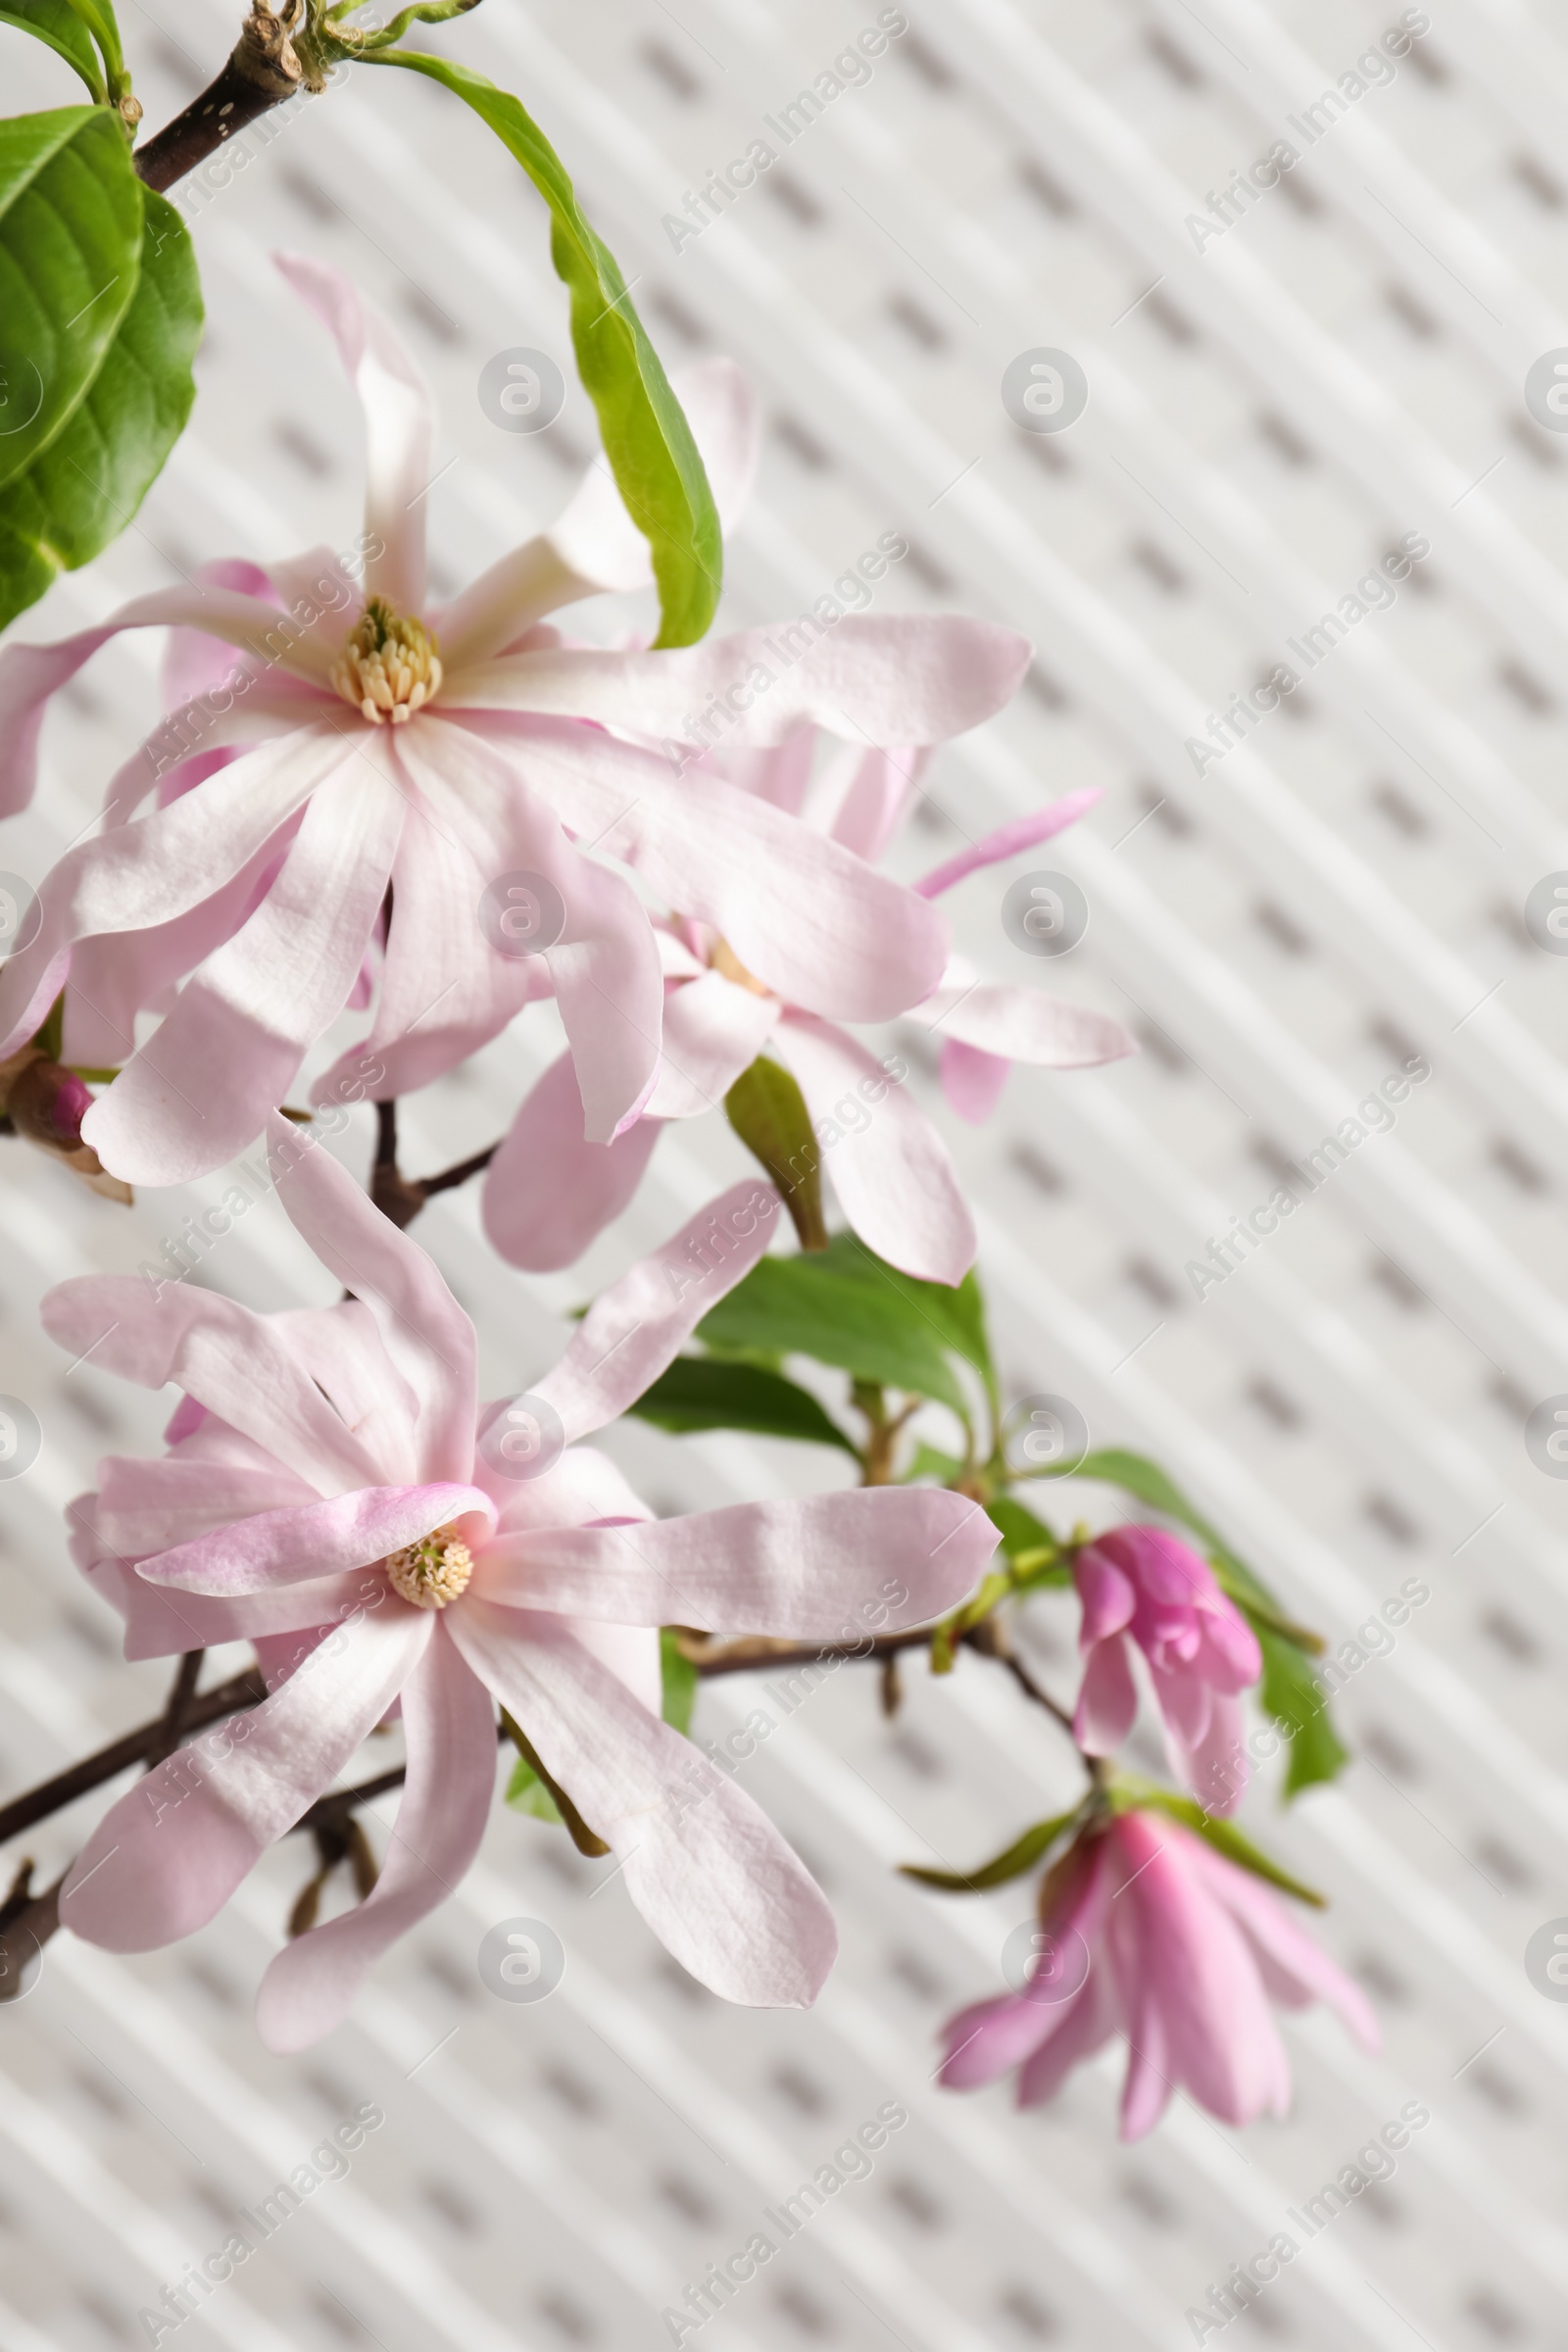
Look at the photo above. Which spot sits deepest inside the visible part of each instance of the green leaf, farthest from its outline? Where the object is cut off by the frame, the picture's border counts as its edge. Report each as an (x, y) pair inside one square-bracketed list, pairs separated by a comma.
[(647, 439), (585, 1840), (1144, 1796), (527, 1793), (1022, 1534), (70, 233), (1023, 1853), (81, 490), (98, 16), (767, 1111), (678, 1681), (705, 1392), (56, 22), (841, 1307), (1289, 1691)]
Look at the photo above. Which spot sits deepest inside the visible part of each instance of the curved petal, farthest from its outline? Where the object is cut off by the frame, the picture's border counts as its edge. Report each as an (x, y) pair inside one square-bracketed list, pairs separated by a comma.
[(818, 926), (1107, 1699), (426, 1335), (341, 1349), (585, 1484), (605, 961), (1021, 1024), (1214, 1761), (894, 1181), (1106, 1595), (168, 1857), (160, 1623), (1083, 2025), (312, 1539), (704, 1865), (399, 426), (232, 1361), (971, 1081), (1296, 1970), (713, 1030), (155, 869), (596, 545), (809, 1569), (989, 2039), (637, 1327), (547, 1191), (874, 797), (449, 1726), (1023, 833), (201, 1089), (880, 681), (31, 673), (145, 1507)]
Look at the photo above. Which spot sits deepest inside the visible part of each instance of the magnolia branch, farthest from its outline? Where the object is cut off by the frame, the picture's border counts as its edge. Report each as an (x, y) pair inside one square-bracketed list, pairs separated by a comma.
[(263, 70)]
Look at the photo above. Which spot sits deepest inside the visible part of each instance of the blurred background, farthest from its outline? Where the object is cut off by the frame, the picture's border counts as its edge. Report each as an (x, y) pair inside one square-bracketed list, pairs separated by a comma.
[(1362, 355)]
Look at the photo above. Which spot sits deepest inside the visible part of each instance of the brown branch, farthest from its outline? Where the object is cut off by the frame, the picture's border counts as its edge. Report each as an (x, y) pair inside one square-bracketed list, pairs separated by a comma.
[(262, 71), (186, 1676), (460, 1174), (245, 1690)]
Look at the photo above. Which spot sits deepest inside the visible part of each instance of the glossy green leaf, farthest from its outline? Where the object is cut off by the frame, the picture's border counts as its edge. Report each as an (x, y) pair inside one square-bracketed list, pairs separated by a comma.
[(70, 233), (706, 1393), (99, 18), (56, 23), (1011, 1863), (840, 1308), (1289, 1692), (1223, 1835), (678, 1680), (1023, 1536), (647, 439), (767, 1111), (80, 491)]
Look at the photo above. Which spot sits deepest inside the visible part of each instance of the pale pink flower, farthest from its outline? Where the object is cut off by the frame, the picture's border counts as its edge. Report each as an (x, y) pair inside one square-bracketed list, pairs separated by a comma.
[(443, 750), (548, 1192), (1185, 1952), (323, 1496), (1142, 1587)]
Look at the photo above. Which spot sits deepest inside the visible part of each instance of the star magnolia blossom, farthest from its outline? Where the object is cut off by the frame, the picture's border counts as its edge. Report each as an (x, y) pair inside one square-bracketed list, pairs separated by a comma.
[(444, 752), (1154, 1936), (323, 1498), (549, 1191), (1143, 1589)]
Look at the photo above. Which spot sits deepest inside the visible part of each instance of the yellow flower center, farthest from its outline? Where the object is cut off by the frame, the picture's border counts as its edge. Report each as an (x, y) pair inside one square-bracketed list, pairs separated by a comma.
[(433, 1572), (389, 666), (724, 959)]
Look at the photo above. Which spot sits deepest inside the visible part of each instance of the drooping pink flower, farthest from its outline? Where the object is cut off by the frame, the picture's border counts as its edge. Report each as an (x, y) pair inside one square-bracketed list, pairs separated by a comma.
[(1152, 1935), (445, 752), (1142, 1587), (323, 1498), (548, 1192)]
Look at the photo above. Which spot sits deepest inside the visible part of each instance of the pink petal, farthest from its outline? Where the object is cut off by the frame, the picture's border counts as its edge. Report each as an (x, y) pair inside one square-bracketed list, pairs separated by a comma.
[(548, 1192), (877, 790), (813, 1569), (399, 425), (713, 1030), (229, 1359), (884, 681), (637, 1327), (162, 1623), (341, 1349), (168, 1855), (1105, 1595), (584, 1486), (314, 1538), (991, 2038), (889, 1168), (1023, 833), (1084, 2023), (704, 1865), (1296, 1969), (1214, 1763), (449, 1727), (150, 871), (1108, 1701), (200, 1091), (193, 660), (1020, 1024), (145, 1507), (605, 965), (972, 1081)]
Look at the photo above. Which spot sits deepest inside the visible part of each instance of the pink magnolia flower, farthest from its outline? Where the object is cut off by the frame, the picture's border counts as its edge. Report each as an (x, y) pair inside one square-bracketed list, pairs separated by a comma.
[(1143, 1588), (548, 1192), (444, 752), (323, 1496), (1154, 1936)]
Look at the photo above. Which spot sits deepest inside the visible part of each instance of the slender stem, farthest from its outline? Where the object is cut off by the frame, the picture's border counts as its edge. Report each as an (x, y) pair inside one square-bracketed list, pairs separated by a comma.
[(51, 1796), (186, 1676), (458, 1174), (262, 71)]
